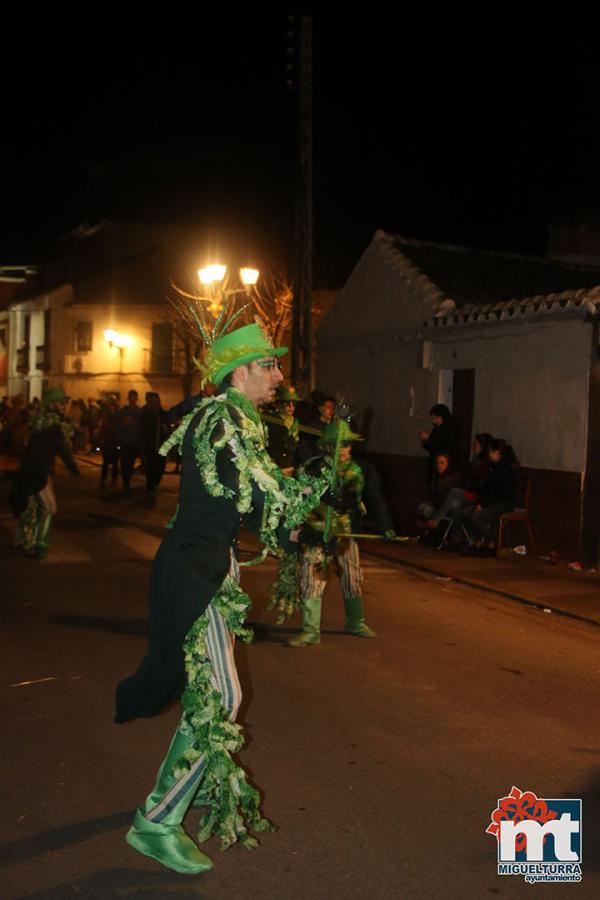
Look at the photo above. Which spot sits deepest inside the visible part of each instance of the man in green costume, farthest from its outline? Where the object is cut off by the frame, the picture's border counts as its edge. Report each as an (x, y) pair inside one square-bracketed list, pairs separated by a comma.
[(323, 541), (32, 496), (197, 606), (283, 429)]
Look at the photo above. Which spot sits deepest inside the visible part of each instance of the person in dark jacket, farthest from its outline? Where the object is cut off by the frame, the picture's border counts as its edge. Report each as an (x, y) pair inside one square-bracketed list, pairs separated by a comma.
[(478, 469), (32, 497), (197, 607), (107, 438), (443, 437), (447, 478), (312, 429), (497, 496), (459, 502), (154, 430), (377, 510), (128, 437)]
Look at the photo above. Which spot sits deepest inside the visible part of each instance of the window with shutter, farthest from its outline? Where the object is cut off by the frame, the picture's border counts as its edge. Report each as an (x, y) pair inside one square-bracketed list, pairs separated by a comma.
[(161, 358)]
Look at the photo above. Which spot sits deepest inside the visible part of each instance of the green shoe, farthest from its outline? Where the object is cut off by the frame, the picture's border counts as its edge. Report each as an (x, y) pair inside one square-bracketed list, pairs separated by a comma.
[(157, 830), (304, 638), (361, 631), (168, 845), (355, 618), (311, 623)]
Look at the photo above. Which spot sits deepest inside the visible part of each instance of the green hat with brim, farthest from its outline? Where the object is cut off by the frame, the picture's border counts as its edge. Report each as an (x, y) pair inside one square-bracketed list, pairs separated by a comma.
[(54, 395), (287, 394), (237, 348), (330, 433)]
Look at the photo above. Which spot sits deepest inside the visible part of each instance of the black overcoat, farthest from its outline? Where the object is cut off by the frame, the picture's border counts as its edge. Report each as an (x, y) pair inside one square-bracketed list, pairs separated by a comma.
[(37, 464), (189, 568)]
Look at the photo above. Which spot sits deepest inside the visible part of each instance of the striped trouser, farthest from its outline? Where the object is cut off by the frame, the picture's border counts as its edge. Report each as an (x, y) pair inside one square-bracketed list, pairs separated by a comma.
[(224, 678), (313, 579), (33, 529), (46, 498), (46, 503)]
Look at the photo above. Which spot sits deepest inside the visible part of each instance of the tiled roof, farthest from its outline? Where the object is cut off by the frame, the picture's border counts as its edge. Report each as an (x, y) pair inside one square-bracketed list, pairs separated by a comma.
[(579, 302), (460, 277)]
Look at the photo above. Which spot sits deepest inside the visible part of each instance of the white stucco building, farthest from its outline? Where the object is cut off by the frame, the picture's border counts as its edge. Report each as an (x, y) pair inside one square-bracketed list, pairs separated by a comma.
[(509, 343)]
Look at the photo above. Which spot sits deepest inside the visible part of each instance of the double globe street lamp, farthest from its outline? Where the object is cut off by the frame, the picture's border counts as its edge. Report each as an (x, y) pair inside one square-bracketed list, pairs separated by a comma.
[(215, 278)]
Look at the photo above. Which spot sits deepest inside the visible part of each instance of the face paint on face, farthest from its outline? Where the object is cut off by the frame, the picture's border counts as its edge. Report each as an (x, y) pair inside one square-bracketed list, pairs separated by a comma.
[(263, 377)]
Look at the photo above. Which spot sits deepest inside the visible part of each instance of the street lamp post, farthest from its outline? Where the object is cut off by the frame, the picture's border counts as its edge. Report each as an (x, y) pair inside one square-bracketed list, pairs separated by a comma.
[(213, 309), (215, 278), (118, 340)]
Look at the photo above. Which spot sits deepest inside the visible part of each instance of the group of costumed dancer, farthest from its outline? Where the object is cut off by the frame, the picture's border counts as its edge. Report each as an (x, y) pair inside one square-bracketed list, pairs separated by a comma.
[(238, 469)]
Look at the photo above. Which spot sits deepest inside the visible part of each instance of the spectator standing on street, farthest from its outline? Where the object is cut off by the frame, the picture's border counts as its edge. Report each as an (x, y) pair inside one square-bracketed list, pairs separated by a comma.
[(128, 437), (74, 417), (92, 423), (154, 427), (107, 436), (17, 427)]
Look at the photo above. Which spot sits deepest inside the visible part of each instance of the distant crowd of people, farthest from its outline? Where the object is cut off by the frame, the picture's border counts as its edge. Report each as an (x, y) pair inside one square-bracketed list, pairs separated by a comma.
[(130, 432), (463, 505), (16, 416), (122, 434)]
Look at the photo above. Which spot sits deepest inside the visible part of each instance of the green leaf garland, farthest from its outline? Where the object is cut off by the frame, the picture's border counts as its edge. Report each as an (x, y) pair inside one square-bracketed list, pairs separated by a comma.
[(233, 803), (230, 420), (287, 501)]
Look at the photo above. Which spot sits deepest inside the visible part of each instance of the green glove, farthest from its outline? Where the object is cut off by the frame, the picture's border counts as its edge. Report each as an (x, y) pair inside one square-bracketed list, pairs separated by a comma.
[(389, 535)]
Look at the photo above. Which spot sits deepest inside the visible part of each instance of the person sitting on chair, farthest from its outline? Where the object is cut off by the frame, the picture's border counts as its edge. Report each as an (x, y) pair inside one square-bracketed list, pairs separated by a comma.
[(497, 497), (445, 480), (460, 502)]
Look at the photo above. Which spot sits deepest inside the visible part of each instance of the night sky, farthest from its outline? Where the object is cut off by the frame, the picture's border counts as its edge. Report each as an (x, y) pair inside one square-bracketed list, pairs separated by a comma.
[(432, 137)]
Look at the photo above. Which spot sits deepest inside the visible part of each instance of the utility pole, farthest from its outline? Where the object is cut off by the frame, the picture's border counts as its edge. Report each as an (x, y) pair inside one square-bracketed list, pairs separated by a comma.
[(302, 250)]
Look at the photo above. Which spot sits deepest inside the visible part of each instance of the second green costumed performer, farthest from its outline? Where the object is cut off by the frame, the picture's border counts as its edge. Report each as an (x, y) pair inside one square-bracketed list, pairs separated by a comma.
[(323, 540)]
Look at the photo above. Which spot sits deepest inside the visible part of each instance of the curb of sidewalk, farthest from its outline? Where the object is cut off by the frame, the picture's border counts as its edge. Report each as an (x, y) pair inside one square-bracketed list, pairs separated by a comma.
[(480, 585)]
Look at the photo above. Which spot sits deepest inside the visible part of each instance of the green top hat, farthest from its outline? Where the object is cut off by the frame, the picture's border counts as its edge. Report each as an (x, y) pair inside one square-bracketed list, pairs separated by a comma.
[(287, 394), (330, 433), (54, 395), (236, 348)]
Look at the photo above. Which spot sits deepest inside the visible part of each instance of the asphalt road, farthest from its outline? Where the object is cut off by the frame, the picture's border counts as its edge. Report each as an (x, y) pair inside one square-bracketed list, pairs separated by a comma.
[(381, 761)]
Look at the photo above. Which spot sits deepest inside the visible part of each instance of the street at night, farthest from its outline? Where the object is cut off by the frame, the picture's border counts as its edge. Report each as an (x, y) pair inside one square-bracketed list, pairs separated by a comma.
[(298, 311), (381, 761)]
